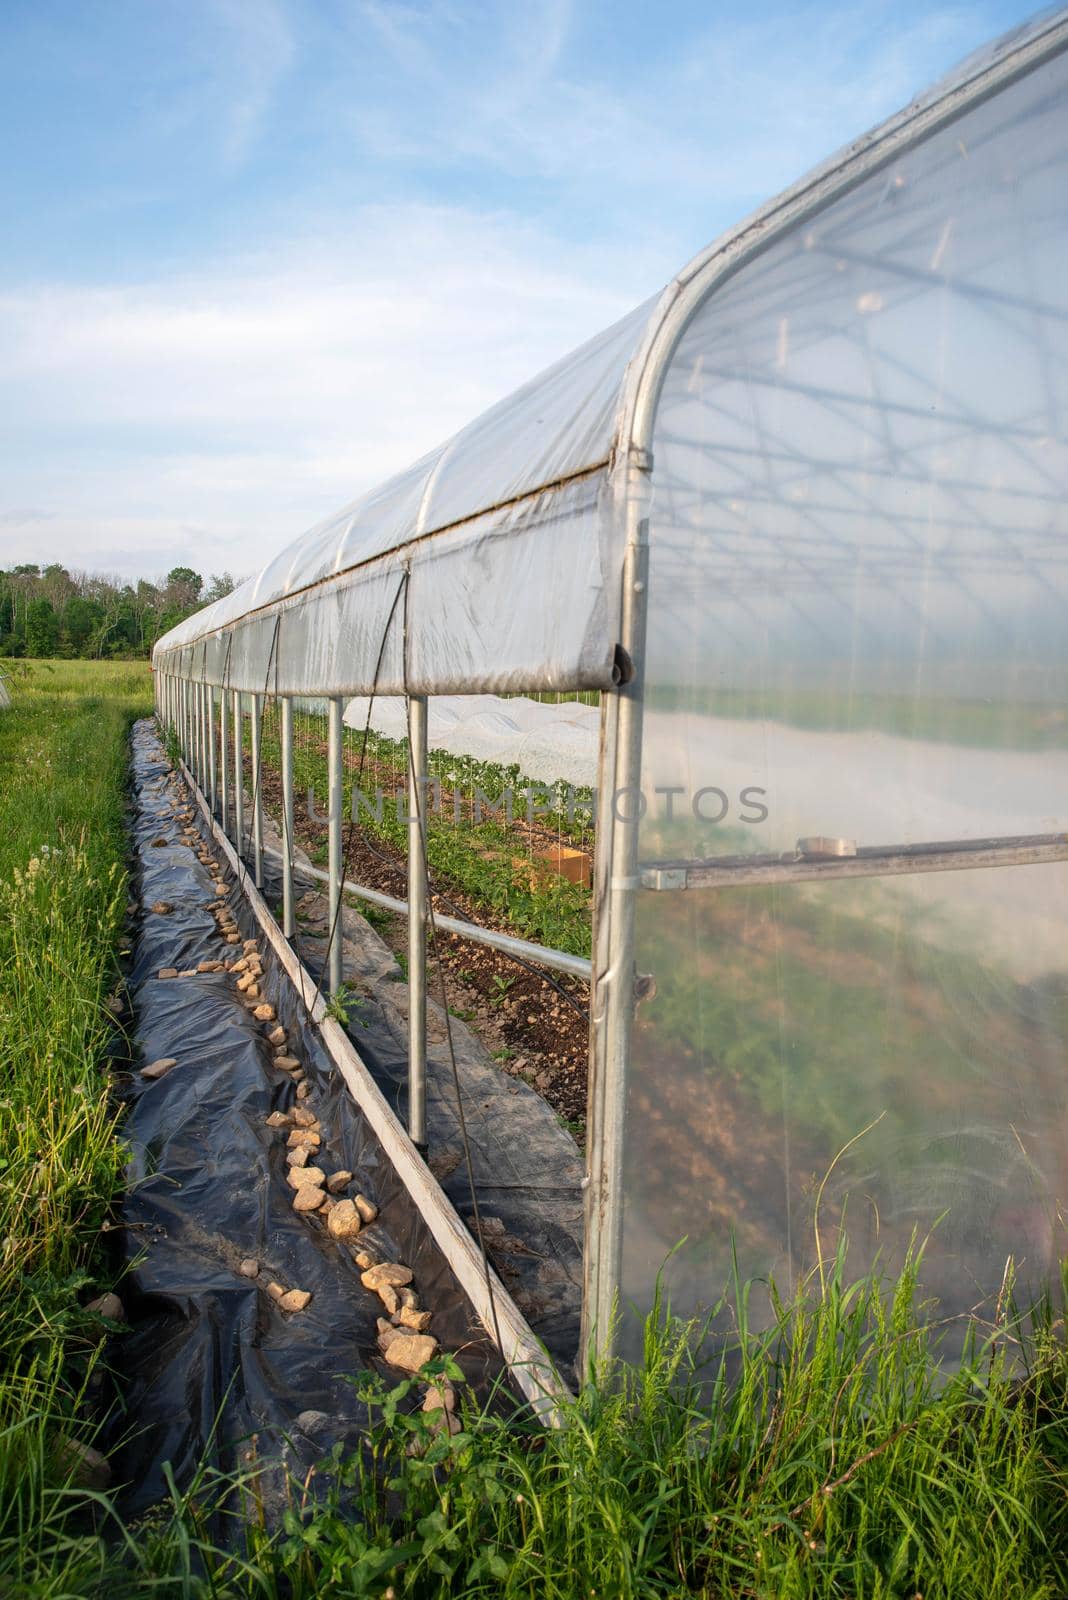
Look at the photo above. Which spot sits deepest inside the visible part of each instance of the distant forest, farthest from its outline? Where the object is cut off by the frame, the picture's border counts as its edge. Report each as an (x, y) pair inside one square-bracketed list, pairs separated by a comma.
[(49, 611)]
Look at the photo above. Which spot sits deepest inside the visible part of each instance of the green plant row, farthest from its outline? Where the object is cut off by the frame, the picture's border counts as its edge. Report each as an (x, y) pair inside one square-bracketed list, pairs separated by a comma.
[(481, 860)]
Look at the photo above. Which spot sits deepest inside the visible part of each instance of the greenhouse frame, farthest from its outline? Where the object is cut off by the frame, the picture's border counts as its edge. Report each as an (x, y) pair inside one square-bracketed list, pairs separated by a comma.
[(802, 521)]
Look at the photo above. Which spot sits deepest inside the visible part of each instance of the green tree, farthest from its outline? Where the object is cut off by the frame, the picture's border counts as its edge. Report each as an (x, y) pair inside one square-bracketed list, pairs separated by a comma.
[(42, 628), (183, 587)]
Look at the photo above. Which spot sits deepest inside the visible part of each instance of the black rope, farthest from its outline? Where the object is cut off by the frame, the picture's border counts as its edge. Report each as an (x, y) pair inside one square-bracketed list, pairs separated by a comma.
[(242, 868), (465, 916), (420, 819), (402, 589)]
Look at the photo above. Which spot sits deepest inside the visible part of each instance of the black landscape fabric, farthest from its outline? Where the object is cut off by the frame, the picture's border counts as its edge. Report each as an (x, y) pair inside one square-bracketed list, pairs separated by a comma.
[(209, 1359)]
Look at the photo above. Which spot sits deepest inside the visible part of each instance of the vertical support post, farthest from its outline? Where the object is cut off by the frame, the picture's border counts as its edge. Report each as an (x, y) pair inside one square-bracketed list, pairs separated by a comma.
[(417, 918), (213, 775), (205, 741), (257, 790), (288, 923), (336, 809), (224, 760), (239, 776), (198, 757), (184, 741), (612, 993)]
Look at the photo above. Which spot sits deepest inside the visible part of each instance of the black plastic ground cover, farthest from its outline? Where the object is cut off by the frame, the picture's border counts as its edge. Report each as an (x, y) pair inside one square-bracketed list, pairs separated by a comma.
[(209, 1359), (526, 1168)]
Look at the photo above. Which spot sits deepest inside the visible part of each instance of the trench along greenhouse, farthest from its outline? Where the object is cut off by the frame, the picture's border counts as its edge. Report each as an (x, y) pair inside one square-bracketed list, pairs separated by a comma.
[(797, 527)]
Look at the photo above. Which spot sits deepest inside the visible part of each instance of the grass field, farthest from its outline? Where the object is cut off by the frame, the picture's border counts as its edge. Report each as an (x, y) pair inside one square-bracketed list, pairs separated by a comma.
[(62, 897), (836, 1463)]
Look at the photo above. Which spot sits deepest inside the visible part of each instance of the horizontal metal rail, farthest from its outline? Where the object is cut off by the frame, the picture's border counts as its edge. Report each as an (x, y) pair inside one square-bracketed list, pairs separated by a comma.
[(869, 861), (541, 955)]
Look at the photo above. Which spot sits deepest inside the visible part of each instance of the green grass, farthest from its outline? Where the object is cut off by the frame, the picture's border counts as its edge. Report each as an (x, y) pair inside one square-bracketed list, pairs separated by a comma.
[(825, 1459), (63, 763)]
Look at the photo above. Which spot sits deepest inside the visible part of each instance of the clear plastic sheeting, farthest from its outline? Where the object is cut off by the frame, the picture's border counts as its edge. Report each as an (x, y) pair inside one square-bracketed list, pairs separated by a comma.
[(549, 742), (507, 533), (857, 634)]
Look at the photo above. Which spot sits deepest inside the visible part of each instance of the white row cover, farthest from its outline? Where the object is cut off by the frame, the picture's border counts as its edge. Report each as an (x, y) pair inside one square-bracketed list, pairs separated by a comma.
[(495, 562)]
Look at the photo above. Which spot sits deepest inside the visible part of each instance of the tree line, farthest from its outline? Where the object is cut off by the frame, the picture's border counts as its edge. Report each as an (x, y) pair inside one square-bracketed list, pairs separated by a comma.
[(52, 612)]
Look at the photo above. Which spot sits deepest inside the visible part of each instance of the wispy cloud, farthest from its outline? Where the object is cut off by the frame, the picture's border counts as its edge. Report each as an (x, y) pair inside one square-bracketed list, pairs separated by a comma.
[(399, 210), (221, 413), (717, 114), (262, 50)]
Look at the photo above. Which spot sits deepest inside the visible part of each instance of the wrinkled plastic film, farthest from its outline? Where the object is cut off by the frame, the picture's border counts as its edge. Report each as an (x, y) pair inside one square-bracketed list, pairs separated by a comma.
[(858, 632)]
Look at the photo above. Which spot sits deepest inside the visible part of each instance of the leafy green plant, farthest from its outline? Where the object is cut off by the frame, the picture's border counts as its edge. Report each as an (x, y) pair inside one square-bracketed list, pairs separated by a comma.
[(345, 1005), (499, 987)]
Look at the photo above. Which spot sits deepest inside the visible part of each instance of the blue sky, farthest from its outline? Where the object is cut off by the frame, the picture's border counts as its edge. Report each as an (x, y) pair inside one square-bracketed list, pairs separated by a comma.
[(259, 254)]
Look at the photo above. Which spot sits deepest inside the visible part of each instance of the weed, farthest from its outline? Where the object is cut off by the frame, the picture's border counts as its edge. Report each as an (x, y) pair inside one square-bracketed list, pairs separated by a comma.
[(499, 987), (345, 1005)]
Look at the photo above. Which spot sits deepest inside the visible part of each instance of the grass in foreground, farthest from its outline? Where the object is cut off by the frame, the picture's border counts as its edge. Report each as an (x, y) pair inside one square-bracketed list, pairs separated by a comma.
[(825, 1458), (63, 759)]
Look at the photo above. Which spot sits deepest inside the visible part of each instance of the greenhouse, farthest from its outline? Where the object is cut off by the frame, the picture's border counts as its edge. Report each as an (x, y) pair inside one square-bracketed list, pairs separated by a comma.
[(800, 523)]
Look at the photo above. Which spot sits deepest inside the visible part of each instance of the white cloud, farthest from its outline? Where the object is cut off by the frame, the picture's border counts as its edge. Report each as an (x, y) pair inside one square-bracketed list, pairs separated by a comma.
[(210, 417), (714, 117), (213, 418)]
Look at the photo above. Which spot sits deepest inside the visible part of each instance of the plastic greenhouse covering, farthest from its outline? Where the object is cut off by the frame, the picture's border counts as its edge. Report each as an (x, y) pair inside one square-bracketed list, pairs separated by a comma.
[(858, 587), (838, 441)]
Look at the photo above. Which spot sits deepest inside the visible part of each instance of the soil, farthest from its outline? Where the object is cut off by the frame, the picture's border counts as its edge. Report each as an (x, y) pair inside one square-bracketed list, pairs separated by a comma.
[(535, 1027)]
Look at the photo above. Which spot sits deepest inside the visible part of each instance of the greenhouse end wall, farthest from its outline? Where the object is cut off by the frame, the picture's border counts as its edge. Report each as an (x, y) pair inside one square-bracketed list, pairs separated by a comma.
[(858, 631)]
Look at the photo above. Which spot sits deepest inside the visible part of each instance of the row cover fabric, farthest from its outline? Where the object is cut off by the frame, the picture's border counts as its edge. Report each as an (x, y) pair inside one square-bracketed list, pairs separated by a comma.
[(512, 533)]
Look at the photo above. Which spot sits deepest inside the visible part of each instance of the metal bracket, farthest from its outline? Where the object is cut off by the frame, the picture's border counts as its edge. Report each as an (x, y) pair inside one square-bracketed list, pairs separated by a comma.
[(663, 877)]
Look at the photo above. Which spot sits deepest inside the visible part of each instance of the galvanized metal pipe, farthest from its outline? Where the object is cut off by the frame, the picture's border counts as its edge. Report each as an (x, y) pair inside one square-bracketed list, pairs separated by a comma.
[(288, 921), (334, 862), (541, 955), (224, 760), (417, 918), (202, 741), (195, 752), (239, 776), (212, 762), (612, 998), (257, 790)]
